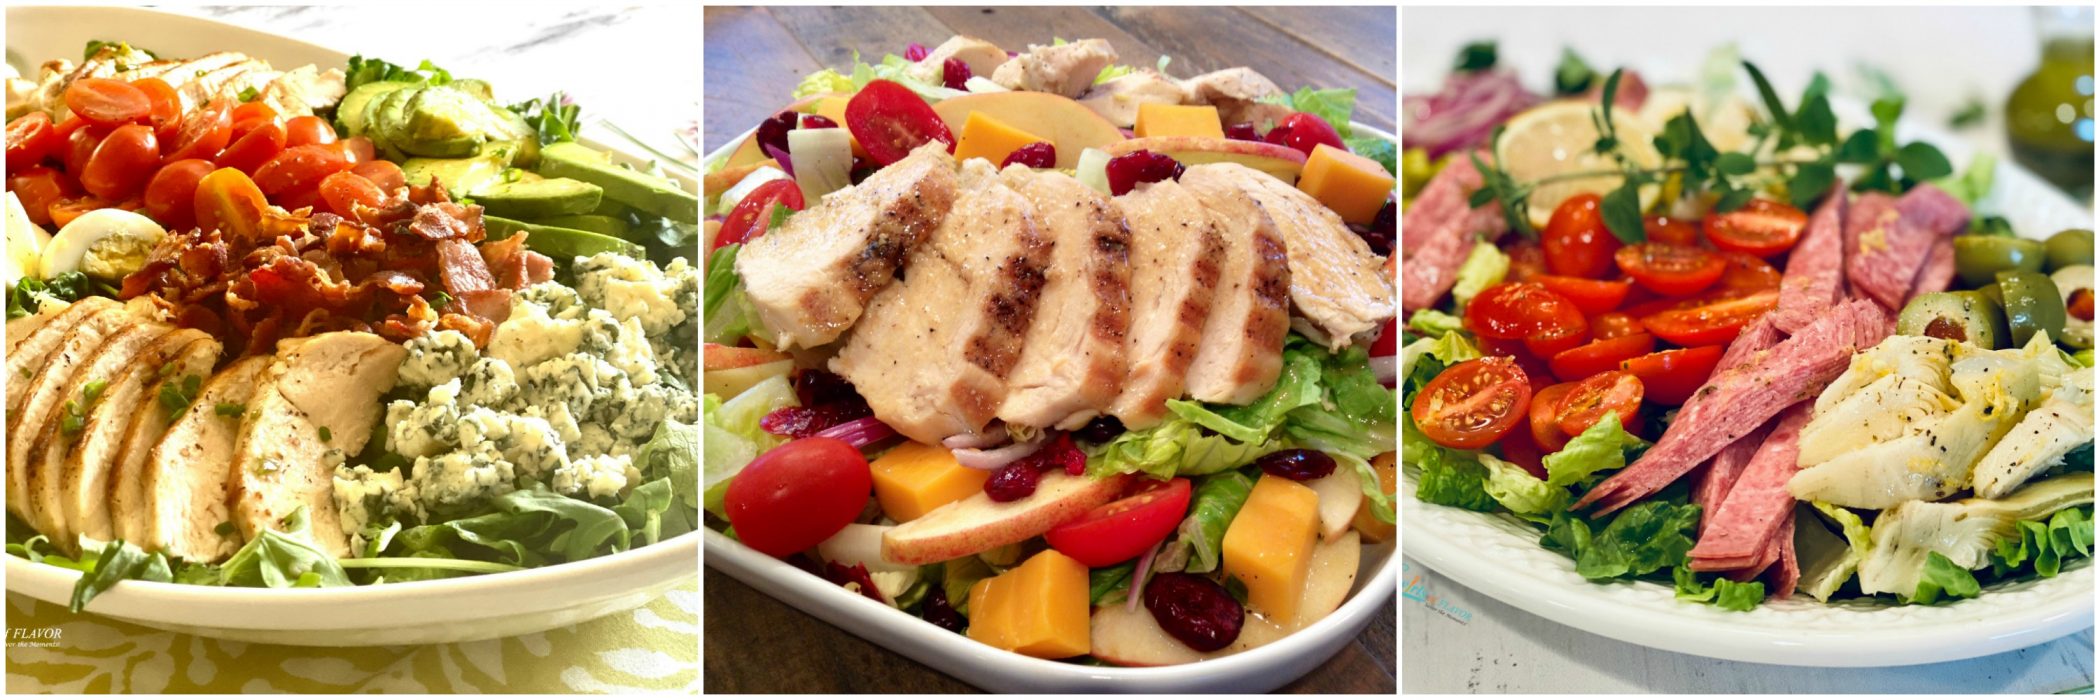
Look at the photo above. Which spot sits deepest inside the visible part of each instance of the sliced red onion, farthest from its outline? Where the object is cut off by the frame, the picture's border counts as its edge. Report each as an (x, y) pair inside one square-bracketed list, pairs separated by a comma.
[(1464, 112), (1137, 577), (992, 435), (1387, 369), (858, 433), (995, 458), (787, 164)]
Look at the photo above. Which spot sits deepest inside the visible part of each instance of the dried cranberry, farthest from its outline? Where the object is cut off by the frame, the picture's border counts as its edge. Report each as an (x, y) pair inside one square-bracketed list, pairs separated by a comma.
[(1243, 131), (1297, 465), (1127, 170), (774, 131), (1040, 154), (815, 387), (1013, 482), (818, 121), (1060, 453), (937, 610), (1379, 235), (1194, 609), (954, 73), (862, 168), (1102, 428), (915, 52), (855, 576)]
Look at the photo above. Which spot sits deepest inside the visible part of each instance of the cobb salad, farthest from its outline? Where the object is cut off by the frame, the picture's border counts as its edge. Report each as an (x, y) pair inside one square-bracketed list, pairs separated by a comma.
[(1735, 346), (1075, 358), (333, 326)]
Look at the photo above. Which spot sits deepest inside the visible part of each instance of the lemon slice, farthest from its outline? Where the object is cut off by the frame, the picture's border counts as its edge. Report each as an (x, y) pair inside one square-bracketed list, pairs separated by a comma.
[(1558, 138)]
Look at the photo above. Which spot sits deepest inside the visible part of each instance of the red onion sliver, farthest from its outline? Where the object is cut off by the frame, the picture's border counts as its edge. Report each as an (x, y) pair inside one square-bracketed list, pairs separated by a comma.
[(1387, 369), (1000, 457), (1137, 577), (787, 164), (973, 441), (858, 433)]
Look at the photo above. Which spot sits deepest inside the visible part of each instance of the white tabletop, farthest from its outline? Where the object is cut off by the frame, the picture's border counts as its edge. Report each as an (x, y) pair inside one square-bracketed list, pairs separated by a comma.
[(636, 66), (1457, 640)]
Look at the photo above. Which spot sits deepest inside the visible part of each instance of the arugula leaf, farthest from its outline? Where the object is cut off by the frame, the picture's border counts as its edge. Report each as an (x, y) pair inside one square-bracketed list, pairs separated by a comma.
[(283, 559), (119, 561), (555, 119), (30, 294), (363, 70)]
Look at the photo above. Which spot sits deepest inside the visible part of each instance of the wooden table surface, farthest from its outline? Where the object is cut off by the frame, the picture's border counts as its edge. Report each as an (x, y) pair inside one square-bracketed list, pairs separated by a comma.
[(754, 58)]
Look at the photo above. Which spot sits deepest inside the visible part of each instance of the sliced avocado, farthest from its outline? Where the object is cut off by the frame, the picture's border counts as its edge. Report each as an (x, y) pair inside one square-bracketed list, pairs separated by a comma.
[(538, 199), (614, 209), (644, 192), (1966, 317), (562, 244), (480, 89), (443, 122), (594, 223), (462, 177), (523, 140), (351, 111), (384, 117)]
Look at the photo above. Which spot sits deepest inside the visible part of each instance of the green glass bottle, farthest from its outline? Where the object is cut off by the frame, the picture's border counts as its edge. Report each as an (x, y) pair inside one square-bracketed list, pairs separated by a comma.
[(2049, 117)]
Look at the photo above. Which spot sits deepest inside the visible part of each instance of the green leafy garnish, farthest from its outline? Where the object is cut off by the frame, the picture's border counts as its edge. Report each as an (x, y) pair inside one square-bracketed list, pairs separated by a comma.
[(1476, 56), (371, 70), (555, 119)]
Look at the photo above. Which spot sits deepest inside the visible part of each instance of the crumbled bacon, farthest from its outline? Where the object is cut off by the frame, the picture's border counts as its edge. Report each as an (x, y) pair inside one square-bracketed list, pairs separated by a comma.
[(301, 274)]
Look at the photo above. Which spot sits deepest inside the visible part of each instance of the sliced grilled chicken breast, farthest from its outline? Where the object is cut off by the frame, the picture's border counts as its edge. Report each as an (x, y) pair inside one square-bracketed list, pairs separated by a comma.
[(321, 397), (85, 492), (1241, 351), (1237, 93), (27, 352), (811, 279), (43, 389), (983, 57), (1177, 250), (21, 329), (1118, 99), (1072, 361), (178, 473), (1338, 285), (46, 454), (933, 352), (1066, 69)]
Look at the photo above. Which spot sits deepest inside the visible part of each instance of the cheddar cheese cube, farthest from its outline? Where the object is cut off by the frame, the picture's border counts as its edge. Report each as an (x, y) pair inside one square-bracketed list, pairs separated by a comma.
[(914, 478), (1353, 186), (1178, 120), (991, 139), (1038, 609), (1269, 545)]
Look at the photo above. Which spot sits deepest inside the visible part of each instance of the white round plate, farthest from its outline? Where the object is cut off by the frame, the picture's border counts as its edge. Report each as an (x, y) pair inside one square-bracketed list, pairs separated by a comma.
[(1258, 670), (424, 612), (1500, 556)]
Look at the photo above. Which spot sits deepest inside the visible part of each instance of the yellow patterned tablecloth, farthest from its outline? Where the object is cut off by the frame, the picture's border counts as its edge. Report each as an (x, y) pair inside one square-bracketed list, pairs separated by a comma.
[(652, 649)]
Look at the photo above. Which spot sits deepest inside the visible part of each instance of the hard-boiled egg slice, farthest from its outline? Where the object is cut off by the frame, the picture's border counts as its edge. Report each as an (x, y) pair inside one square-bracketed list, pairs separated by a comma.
[(25, 244), (107, 244)]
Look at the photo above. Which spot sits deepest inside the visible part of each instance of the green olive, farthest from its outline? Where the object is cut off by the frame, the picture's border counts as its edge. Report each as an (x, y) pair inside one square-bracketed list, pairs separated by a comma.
[(1993, 293), (2032, 305), (2071, 246), (1979, 259)]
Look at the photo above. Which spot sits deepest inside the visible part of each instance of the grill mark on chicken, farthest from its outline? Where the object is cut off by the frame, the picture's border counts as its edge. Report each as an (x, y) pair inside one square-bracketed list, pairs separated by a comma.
[(1272, 296)]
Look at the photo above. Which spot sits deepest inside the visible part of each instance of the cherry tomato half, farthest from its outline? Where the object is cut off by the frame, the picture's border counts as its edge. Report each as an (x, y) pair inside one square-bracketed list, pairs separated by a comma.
[(1526, 261), (1601, 355), (1122, 530), (1473, 403), (204, 132), (122, 163), (254, 110), (81, 146), (1544, 418), (251, 150), (797, 495), (385, 174), (1615, 324), (106, 102), (1592, 296), (753, 213), (40, 187), (1547, 322), (298, 168), (301, 131), (1576, 241), (1671, 376), (171, 196), (30, 139), (1712, 323), (1763, 228), (343, 190), (1608, 392), (1747, 274), (1671, 270), (1663, 229), (166, 114), (228, 201), (889, 120)]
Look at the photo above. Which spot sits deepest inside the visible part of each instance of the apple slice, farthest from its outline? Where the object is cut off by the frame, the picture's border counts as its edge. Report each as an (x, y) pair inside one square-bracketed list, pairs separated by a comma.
[(1282, 162), (714, 357), (1341, 493), (1127, 637), (1070, 126), (859, 543), (1373, 529), (1333, 572), (977, 523)]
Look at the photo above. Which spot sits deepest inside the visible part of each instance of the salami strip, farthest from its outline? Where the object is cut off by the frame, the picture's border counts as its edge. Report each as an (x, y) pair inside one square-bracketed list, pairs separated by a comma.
[(1438, 233), (1720, 474), (1788, 575), (1747, 520), (1733, 403), (1815, 271), (1893, 238), (1937, 272)]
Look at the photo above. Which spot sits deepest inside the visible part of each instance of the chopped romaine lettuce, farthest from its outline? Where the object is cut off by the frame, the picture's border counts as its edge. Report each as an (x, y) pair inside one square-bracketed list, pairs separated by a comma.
[(1446, 476), (1332, 105), (1196, 543), (1723, 593), (892, 68), (1645, 538), (1520, 492), (1485, 267), (1376, 148), (733, 436), (1600, 448)]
